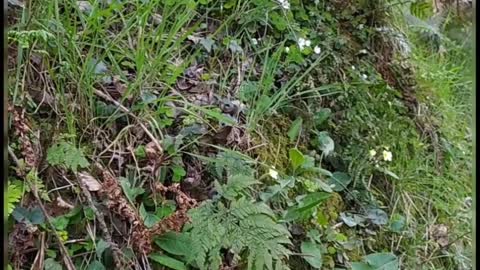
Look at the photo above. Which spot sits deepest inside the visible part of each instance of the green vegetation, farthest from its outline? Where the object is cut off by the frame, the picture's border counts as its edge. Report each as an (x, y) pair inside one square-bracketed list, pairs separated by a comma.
[(229, 134)]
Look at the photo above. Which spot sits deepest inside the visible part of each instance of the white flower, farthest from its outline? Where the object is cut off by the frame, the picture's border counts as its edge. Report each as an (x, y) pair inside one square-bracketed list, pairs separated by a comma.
[(364, 76), (387, 155), (363, 51), (302, 43), (273, 173), (287, 49), (317, 50), (353, 67), (284, 3), (360, 26), (372, 153), (254, 41)]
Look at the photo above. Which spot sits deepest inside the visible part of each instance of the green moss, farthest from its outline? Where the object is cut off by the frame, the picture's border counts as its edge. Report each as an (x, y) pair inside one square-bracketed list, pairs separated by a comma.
[(330, 210)]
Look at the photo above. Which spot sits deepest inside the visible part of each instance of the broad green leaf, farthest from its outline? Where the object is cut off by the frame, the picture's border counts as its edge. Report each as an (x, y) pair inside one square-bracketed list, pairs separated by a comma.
[(305, 208), (130, 192), (377, 261), (340, 180), (361, 266), (174, 243), (324, 186), (34, 216), (397, 223), (165, 210), (96, 265), (217, 115), (101, 247), (326, 143), (178, 173), (296, 158), (382, 261), (51, 264), (313, 254), (149, 219), (322, 171), (168, 262), (295, 129)]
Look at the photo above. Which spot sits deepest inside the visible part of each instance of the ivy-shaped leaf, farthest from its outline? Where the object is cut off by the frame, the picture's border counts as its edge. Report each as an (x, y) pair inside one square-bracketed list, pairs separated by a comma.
[(313, 254)]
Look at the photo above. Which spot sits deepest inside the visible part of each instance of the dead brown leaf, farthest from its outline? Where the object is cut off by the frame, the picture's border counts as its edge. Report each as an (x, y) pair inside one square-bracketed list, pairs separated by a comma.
[(439, 233), (89, 181)]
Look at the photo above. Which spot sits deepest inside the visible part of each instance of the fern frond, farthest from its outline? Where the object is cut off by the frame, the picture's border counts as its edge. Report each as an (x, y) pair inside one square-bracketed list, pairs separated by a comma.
[(13, 195), (243, 227)]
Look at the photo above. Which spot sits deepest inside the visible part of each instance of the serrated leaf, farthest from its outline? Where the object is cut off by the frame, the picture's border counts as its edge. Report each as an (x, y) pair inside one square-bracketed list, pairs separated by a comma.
[(67, 155), (295, 129), (326, 143), (313, 254), (340, 181), (321, 116), (168, 262), (278, 21), (174, 243), (296, 158), (60, 223)]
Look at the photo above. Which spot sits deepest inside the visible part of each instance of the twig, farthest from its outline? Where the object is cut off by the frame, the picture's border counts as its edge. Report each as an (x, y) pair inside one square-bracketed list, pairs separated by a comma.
[(101, 223), (38, 263), (63, 250), (127, 111)]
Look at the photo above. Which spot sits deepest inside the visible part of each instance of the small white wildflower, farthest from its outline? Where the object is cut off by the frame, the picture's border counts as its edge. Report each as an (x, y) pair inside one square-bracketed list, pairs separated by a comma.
[(372, 153), (353, 68), (308, 43), (360, 26), (364, 76), (287, 49), (273, 173), (254, 41), (317, 50), (362, 51), (387, 155), (301, 43), (284, 3)]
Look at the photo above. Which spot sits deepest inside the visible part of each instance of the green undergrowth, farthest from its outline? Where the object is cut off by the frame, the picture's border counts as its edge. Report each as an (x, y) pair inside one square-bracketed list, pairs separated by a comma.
[(273, 116)]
